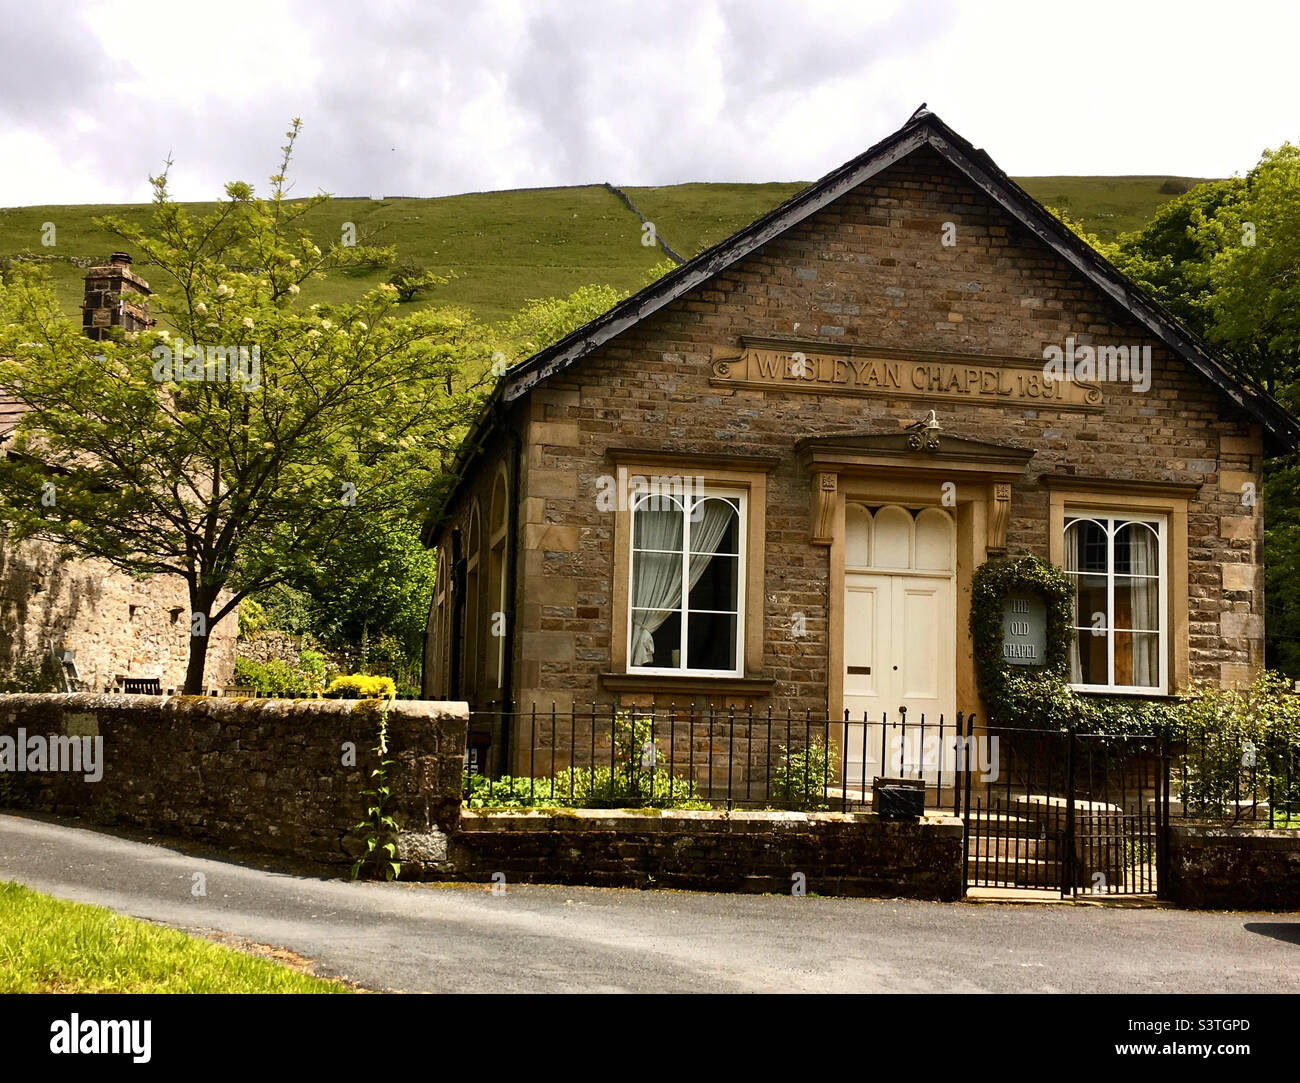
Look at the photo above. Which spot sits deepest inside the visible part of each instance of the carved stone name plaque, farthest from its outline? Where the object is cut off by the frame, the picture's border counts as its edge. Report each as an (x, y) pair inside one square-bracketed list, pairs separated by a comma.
[(765, 364)]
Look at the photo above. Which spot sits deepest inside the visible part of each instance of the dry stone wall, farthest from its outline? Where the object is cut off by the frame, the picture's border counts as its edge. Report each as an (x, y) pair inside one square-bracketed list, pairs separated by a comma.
[(118, 626), (262, 776)]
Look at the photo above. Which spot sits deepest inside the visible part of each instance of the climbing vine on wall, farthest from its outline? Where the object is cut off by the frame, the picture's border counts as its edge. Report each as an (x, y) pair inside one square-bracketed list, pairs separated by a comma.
[(1035, 697), (1040, 697)]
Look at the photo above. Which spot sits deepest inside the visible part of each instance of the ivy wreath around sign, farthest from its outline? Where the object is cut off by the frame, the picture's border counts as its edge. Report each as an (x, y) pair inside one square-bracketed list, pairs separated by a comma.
[(1037, 698)]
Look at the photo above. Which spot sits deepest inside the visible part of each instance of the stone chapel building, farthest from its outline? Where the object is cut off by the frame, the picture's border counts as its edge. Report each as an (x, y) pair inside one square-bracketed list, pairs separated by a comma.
[(767, 478)]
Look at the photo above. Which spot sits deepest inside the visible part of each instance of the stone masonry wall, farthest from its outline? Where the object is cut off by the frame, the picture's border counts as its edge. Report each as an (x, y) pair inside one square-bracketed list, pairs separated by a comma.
[(118, 626), (1234, 868), (859, 855), (870, 269), (255, 775)]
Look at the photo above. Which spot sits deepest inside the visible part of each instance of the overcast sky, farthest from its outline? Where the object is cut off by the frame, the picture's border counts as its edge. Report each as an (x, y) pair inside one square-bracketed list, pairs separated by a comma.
[(403, 97)]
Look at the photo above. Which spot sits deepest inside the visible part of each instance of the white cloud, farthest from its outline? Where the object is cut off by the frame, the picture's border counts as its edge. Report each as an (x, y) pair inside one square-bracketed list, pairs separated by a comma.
[(419, 98)]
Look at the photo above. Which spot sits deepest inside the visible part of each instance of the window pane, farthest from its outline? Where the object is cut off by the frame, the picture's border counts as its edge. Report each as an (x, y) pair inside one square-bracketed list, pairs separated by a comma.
[(656, 639), (893, 538), (1137, 603), (1089, 601), (857, 542), (717, 581), (1085, 543), (658, 524), (656, 581), (1092, 658), (1137, 550), (712, 641), (1137, 659), (715, 526)]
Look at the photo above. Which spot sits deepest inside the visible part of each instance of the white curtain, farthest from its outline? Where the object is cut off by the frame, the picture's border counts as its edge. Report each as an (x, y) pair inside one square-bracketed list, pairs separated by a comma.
[(657, 586), (1073, 532), (1144, 600)]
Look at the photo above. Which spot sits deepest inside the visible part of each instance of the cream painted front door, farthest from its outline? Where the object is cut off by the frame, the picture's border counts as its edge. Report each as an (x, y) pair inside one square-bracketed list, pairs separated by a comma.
[(899, 643)]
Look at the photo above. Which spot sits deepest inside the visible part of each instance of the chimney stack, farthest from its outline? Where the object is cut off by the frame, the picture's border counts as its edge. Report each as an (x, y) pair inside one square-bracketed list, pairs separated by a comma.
[(115, 297)]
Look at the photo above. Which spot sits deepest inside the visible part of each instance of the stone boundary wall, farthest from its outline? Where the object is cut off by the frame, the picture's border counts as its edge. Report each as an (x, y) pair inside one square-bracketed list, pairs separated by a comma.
[(264, 775), (839, 854), (1234, 868)]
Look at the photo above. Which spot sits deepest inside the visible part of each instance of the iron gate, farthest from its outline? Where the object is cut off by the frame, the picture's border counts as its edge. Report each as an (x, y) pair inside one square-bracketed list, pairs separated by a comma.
[(1073, 813)]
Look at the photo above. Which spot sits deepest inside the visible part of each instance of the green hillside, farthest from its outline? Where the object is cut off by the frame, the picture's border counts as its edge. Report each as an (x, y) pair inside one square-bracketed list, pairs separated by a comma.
[(507, 247)]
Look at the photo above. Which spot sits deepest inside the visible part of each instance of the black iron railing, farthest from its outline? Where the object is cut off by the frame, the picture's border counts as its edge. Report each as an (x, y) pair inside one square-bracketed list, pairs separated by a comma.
[(601, 756)]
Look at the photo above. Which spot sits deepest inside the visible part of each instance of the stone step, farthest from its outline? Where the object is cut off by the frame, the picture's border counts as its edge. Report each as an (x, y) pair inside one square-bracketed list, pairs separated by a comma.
[(1006, 847), (1024, 872)]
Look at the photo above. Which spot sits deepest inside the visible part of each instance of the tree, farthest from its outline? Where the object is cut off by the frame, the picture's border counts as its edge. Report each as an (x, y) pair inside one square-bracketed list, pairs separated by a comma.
[(1225, 258), (237, 449), (542, 322), (410, 279)]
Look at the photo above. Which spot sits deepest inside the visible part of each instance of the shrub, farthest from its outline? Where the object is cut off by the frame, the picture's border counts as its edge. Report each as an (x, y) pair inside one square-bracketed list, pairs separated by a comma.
[(277, 677), (361, 686), (800, 778), (636, 778), (1238, 745)]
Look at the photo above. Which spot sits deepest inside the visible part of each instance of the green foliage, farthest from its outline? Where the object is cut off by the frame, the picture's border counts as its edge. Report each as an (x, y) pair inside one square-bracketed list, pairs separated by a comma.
[(276, 677), (34, 673), (361, 686), (800, 778), (1040, 698), (1223, 259), (376, 583), (1019, 695), (410, 279), (379, 832), (543, 322), (252, 618), (230, 484), (52, 946), (636, 778), (1238, 743)]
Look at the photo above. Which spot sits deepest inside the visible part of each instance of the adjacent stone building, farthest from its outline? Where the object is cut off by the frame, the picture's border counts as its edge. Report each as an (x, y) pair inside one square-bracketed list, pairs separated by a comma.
[(107, 625), (766, 479)]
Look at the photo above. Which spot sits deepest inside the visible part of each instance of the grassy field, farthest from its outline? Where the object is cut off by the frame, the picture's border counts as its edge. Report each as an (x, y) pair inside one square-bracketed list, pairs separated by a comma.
[(51, 946), (507, 247), (1107, 206)]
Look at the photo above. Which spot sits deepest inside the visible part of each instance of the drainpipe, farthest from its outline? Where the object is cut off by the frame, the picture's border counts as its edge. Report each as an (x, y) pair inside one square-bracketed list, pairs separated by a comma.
[(457, 613), (511, 574)]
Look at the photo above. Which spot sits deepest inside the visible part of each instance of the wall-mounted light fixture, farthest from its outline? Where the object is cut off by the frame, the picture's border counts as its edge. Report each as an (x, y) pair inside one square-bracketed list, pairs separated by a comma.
[(924, 435)]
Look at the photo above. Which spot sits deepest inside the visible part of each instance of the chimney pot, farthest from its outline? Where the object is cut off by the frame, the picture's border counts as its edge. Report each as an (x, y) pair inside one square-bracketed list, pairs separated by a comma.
[(120, 257)]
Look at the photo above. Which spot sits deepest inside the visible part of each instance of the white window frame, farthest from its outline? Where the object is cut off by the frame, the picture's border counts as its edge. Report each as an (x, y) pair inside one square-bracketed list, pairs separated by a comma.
[(742, 546), (1108, 519)]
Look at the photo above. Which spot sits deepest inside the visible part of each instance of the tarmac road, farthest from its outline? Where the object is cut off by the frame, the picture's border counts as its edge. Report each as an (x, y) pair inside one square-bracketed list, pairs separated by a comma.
[(463, 938)]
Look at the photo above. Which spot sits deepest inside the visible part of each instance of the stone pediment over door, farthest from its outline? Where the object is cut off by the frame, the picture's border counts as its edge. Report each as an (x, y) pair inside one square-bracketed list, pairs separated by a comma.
[(915, 455)]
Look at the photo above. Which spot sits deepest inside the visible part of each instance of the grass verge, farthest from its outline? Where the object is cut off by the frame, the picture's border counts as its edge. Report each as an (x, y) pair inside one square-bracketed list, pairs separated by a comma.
[(51, 946)]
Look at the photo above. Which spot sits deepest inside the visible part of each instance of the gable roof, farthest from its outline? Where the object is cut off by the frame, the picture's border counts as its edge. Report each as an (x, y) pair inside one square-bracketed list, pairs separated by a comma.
[(924, 129)]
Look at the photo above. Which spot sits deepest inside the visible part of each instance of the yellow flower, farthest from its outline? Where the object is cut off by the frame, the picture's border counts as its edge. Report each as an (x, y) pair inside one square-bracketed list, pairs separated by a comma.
[(248, 322), (201, 309), (293, 287)]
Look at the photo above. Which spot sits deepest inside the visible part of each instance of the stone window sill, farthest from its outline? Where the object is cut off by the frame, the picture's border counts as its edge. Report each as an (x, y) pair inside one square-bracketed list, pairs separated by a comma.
[(658, 682)]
